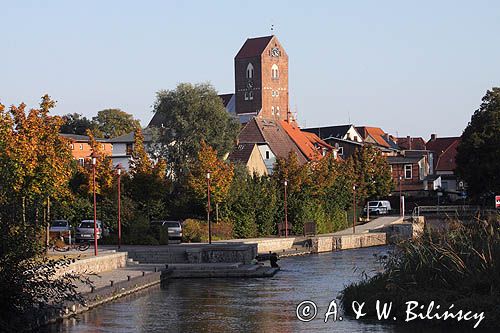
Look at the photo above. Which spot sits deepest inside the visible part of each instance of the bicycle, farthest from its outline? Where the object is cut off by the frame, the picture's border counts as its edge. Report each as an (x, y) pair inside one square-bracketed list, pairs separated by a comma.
[(59, 246)]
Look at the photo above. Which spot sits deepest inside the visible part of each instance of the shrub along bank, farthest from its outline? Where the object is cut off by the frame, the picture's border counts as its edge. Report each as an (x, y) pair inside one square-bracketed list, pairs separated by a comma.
[(460, 267)]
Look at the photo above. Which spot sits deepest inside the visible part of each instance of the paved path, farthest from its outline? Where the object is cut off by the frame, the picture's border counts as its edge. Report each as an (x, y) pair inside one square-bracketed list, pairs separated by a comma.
[(377, 223)]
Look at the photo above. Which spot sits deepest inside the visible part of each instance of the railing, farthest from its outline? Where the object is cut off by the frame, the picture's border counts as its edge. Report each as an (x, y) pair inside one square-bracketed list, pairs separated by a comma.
[(448, 210)]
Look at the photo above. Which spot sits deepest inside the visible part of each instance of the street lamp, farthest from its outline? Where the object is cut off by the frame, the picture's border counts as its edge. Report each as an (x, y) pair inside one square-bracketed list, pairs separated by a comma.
[(286, 211), (401, 204), (354, 209), (208, 209), (119, 172), (94, 162)]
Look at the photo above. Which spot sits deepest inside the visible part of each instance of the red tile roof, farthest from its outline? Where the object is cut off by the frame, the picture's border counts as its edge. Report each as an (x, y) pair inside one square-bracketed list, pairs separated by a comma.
[(417, 143), (242, 153), (253, 47), (251, 133), (316, 140), (375, 132), (273, 134), (301, 140), (446, 152)]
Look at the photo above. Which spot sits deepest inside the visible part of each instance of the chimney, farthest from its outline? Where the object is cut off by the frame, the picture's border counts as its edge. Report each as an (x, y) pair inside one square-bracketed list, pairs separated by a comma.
[(408, 138), (433, 137)]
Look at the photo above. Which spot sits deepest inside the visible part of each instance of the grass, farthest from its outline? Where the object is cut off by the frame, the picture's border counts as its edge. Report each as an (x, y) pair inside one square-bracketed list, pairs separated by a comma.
[(461, 267)]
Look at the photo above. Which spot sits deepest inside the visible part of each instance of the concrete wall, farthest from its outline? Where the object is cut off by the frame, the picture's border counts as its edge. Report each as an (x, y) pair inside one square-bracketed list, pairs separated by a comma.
[(264, 245), (194, 253), (102, 263)]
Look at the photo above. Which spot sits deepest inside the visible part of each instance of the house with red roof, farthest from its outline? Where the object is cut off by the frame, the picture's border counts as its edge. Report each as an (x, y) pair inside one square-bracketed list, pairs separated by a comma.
[(444, 152)]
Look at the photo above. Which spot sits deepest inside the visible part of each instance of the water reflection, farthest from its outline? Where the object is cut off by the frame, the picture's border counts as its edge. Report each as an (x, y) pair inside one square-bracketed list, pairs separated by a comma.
[(246, 305)]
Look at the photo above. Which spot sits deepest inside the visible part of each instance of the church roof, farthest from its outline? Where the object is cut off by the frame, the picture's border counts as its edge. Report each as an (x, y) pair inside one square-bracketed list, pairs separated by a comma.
[(274, 135), (253, 47)]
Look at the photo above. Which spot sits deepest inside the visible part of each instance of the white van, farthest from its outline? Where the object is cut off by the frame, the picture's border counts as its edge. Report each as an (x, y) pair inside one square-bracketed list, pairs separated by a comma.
[(379, 207)]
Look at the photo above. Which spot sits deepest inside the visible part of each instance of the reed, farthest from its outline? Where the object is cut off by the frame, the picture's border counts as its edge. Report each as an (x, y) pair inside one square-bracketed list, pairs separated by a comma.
[(460, 266)]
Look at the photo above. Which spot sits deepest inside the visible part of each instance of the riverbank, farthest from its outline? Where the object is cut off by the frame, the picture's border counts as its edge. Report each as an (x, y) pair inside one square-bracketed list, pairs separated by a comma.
[(454, 271)]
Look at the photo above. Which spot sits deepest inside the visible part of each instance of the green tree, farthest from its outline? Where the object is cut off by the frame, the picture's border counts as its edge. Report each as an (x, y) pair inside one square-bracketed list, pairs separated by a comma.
[(111, 123), (75, 123), (192, 114), (146, 184), (477, 154), (372, 174)]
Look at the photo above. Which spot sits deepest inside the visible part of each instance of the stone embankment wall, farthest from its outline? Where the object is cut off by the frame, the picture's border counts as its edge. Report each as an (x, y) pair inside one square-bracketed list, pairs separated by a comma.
[(195, 254), (345, 242), (102, 263)]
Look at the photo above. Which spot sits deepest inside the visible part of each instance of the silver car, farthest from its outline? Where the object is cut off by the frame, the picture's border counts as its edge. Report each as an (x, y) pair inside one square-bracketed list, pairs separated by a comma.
[(85, 231), (174, 228), (62, 228)]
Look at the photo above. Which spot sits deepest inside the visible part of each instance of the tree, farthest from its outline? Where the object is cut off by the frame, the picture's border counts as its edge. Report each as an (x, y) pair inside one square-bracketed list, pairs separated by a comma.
[(114, 122), (147, 185), (35, 161), (221, 175), (75, 123), (372, 174), (193, 114), (477, 154)]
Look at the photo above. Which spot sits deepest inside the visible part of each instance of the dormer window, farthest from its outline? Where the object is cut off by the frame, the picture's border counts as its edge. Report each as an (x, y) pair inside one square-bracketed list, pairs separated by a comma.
[(250, 71), (275, 72)]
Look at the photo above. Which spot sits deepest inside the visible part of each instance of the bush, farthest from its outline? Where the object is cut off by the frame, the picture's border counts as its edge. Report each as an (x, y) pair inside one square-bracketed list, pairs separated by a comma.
[(196, 231)]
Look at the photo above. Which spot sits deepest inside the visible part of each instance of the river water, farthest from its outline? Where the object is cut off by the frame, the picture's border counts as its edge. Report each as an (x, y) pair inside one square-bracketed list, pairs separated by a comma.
[(242, 305)]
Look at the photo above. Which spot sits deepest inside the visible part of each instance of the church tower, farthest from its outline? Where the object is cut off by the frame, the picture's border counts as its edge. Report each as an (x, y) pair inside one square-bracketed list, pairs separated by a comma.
[(261, 79)]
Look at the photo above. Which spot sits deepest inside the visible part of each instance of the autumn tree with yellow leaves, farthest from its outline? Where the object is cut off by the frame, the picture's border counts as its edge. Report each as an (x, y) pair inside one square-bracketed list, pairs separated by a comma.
[(35, 161), (221, 176)]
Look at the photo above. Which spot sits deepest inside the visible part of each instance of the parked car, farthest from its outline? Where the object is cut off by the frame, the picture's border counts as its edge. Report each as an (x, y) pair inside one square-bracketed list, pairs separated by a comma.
[(61, 228), (174, 228), (85, 231), (378, 207)]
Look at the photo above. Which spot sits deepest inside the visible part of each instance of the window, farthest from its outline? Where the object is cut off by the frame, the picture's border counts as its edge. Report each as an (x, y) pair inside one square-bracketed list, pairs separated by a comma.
[(408, 173), (72, 146), (129, 149), (81, 161), (278, 110), (81, 146), (272, 110), (275, 71), (390, 167), (341, 151), (250, 71), (250, 95), (102, 146), (246, 95), (267, 154), (275, 93)]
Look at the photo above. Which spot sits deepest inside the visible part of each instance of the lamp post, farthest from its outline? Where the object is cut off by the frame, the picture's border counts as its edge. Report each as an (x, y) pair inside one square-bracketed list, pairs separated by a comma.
[(208, 209), (119, 172), (401, 207), (286, 211), (94, 161), (354, 209)]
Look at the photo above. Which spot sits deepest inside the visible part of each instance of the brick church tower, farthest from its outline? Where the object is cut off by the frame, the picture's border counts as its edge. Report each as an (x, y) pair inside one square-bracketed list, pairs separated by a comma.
[(261, 79)]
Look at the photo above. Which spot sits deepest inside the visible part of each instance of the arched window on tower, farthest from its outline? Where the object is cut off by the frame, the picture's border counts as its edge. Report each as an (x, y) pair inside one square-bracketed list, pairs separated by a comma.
[(275, 71), (250, 71)]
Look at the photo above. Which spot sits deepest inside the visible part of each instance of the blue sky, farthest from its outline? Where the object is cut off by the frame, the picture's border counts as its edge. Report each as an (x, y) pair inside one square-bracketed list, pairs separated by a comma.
[(412, 68)]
